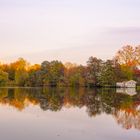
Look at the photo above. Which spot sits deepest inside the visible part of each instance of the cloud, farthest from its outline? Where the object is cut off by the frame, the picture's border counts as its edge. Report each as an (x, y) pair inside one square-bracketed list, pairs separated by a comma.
[(123, 35), (124, 30)]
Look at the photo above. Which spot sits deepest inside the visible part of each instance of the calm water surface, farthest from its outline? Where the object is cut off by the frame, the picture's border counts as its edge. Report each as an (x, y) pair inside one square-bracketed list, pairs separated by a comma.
[(69, 114)]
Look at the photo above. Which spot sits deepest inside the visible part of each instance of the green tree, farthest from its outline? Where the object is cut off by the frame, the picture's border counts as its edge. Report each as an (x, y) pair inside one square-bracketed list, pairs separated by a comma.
[(52, 72), (3, 78), (107, 75), (21, 78), (93, 70)]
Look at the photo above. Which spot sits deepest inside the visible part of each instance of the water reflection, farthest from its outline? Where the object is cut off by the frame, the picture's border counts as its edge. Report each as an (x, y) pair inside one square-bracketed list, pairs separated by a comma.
[(130, 91), (123, 107)]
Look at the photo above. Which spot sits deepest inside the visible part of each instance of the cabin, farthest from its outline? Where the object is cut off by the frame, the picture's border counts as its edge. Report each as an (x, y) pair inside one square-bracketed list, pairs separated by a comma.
[(131, 84), (120, 84), (127, 84)]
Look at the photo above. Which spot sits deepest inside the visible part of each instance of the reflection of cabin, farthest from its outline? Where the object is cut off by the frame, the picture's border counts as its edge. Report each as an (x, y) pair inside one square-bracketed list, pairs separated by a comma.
[(128, 84), (129, 91)]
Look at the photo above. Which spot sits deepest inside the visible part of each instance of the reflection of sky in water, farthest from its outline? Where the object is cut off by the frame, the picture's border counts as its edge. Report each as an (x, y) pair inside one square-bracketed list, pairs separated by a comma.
[(72, 123)]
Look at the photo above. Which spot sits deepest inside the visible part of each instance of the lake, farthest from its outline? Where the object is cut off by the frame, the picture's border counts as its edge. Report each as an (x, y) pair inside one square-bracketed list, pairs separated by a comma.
[(69, 114)]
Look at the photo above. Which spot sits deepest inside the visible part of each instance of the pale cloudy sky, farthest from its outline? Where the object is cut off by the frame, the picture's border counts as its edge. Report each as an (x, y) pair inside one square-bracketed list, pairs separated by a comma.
[(68, 30)]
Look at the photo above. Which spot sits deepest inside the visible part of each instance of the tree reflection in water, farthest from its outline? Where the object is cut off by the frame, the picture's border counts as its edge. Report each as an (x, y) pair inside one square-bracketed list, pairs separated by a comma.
[(124, 108)]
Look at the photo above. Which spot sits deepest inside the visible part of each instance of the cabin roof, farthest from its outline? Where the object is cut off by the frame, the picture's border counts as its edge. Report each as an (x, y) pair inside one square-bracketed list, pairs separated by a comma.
[(131, 81), (128, 81)]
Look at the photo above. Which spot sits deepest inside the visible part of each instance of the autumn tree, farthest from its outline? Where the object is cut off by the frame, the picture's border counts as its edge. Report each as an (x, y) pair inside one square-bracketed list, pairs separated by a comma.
[(75, 76), (137, 53), (137, 75), (129, 59), (21, 74), (34, 78), (119, 72), (129, 56)]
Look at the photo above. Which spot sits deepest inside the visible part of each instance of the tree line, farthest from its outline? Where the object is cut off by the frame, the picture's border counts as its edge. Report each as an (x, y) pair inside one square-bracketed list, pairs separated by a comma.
[(124, 66)]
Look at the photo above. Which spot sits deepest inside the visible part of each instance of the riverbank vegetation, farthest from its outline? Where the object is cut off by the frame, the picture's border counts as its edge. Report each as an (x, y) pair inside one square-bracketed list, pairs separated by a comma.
[(124, 66)]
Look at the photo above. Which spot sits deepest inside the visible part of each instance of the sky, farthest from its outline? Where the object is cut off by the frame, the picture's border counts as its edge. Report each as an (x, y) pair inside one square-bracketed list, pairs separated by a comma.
[(67, 30)]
